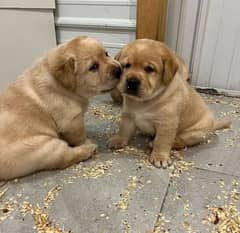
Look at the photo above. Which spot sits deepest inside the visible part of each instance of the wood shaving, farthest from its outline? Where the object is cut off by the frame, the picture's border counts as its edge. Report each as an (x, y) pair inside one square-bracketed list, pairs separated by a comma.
[(160, 225), (95, 171), (187, 226), (179, 167), (225, 219), (2, 193), (127, 227), (5, 209), (103, 112), (126, 196), (144, 157), (51, 195), (177, 196), (42, 222), (235, 113), (230, 142)]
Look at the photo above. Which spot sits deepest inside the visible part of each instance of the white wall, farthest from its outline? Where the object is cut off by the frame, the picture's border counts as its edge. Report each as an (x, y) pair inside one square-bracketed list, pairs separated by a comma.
[(206, 33), (111, 21), (27, 32), (181, 26), (217, 58)]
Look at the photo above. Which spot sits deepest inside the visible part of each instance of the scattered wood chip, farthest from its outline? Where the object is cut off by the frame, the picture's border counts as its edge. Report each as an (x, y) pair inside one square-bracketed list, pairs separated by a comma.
[(126, 196), (43, 224), (105, 112), (127, 227), (179, 167), (42, 221), (2, 193), (226, 219), (5, 209), (160, 225), (51, 195), (96, 171)]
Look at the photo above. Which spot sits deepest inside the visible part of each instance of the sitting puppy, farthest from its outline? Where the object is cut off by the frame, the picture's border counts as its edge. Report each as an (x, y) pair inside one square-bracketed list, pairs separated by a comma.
[(42, 113), (158, 100)]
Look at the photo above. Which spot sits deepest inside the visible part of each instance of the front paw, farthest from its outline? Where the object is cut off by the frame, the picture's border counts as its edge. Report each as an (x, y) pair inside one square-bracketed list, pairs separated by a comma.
[(160, 160), (88, 141), (117, 142), (88, 150)]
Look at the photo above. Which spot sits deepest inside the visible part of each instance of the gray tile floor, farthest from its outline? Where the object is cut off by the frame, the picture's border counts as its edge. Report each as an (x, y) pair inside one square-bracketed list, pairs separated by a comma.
[(121, 192)]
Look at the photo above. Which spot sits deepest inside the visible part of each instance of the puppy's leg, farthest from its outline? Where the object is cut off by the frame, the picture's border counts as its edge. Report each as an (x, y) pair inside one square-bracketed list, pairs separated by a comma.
[(178, 144), (75, 132), (42, 153), (162, 144), (190, 138), (126, 130)]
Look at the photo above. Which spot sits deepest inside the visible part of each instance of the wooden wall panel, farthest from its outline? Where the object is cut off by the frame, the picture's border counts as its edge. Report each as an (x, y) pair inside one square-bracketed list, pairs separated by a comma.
[(151, 19)]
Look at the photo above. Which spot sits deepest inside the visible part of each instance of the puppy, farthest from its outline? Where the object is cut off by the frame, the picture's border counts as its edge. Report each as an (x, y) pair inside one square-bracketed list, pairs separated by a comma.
[(158, 100), (42, 113)]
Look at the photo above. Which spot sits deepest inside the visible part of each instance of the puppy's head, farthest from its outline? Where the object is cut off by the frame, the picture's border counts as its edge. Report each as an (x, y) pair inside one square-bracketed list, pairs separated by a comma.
[(148, 68), (82, 65)]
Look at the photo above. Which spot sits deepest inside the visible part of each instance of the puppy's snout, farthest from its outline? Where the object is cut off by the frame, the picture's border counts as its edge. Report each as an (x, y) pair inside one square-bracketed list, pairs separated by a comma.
[(117, 72), (133, 84)]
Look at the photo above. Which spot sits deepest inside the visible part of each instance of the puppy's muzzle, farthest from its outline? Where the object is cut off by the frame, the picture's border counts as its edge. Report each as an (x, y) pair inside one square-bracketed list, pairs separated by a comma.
[(132, 85), (117, 72)]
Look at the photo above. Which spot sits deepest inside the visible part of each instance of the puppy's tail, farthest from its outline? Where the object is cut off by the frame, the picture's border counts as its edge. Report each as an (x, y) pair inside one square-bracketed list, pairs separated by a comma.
[(221, 124)]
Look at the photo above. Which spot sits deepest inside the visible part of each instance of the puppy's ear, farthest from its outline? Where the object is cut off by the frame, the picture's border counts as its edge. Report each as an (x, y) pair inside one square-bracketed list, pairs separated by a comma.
[(71, 62), (64, 68), (170, 67), (118, 55)]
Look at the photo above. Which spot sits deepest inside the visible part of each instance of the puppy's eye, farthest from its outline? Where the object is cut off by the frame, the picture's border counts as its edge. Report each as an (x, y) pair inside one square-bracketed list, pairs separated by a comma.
[(94, 67), (126, 66), (149, 69), (106, 53)]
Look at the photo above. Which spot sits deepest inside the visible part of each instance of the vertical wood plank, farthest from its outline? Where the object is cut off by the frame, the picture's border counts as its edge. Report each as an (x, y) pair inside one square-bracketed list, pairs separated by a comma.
[(151, 19), (162, 21)]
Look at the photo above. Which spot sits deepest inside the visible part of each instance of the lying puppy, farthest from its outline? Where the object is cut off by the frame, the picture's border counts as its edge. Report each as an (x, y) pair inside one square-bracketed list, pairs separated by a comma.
[(42, 113), (158, 100)]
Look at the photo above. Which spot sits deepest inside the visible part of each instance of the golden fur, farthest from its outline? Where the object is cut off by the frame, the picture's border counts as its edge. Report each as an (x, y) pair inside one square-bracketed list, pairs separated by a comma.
[(42, 112), (158, 100)]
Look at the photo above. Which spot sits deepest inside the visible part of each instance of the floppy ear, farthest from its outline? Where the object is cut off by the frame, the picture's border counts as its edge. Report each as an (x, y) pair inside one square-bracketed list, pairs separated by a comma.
[(115, 93), (64, 68), (118, 55), (170, 67), (71, 62)]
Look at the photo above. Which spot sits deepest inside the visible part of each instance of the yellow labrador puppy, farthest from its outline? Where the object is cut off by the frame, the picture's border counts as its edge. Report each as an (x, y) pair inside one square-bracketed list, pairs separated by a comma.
[(42, 113), (158, 100)]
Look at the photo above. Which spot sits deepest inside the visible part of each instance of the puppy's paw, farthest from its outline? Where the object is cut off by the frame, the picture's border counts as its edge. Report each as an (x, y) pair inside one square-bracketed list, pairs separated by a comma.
[(88, 141), (78, 154), (178, 144), (160, 161), (90, 148), (87, 151), (117, 142)]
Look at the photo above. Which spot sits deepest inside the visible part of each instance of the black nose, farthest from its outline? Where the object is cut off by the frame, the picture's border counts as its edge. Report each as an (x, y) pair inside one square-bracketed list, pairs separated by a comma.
[(133, 84), (117, 72)]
